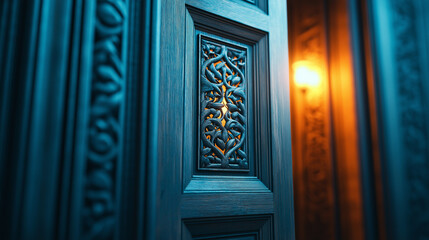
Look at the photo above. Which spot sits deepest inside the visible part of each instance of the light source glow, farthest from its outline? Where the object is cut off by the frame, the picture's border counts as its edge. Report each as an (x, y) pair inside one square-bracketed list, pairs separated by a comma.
[(306, 75)]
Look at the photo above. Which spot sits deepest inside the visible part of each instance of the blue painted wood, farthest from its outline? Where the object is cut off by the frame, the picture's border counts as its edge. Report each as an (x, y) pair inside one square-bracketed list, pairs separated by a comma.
[(8, 53), (38, 102), (43, 49), (400, 55), (76, 117), (201, 183), (105, 126), (248, 227), (223, 136), (154, 120), (59, 58), (280, 122), (268, 188)]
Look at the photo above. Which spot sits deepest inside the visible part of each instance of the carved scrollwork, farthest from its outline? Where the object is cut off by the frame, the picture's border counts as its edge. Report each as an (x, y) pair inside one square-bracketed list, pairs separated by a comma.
[(107, 95), (222, 106)]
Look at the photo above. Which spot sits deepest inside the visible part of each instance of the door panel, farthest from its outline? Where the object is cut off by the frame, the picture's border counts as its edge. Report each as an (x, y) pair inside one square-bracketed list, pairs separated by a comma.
[(225, 162), (241, 227)]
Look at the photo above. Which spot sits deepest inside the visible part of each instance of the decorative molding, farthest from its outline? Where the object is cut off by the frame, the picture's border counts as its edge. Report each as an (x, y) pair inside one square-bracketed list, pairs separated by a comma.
[(105, 126), (413, 117), (258, 176), (317, 173), (313, 168), (223, 106)]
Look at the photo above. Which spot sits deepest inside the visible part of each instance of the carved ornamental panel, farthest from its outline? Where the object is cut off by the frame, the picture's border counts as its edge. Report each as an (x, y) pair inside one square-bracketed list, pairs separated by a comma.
[(223, 105), (105, 125)]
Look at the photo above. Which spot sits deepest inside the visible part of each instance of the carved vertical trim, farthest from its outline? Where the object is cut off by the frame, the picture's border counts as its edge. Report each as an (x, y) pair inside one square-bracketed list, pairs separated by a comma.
[(317, 172), (313, 168), (105, 124), (412, 116)]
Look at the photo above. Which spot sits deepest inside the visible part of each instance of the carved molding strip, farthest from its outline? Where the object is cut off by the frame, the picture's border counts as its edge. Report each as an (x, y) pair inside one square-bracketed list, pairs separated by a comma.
[(313, 180), (412, 115), (317, 173), (105, 126), (223, 106)]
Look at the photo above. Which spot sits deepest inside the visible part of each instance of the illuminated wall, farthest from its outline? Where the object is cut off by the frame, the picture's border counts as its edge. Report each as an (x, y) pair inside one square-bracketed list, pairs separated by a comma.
[(360, 138), (80, 136), (325, 134)]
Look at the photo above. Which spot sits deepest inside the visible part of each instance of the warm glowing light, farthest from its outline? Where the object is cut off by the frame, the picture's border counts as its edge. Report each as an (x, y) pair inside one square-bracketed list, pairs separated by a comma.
[(224, 108), (306, 75)]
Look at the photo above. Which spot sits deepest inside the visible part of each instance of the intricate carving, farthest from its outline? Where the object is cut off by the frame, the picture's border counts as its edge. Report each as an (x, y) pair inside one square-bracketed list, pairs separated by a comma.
[(413, 118), (107, 95), (223, 106)]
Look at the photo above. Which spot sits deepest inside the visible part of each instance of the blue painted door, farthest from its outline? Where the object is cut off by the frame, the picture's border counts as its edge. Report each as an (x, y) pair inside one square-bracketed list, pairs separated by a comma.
[(224, 163)]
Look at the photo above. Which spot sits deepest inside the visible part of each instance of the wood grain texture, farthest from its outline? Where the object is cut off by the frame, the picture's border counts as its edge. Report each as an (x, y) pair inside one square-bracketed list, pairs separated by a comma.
[(226, 204), (225, 184), (209, 195), (170, 120), (258, 91), (280, 122), (236, 11), (98, 146)]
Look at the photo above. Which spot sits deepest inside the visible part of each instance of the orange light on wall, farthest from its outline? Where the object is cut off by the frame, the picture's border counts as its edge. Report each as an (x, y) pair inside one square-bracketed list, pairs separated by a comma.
[(306, 75)]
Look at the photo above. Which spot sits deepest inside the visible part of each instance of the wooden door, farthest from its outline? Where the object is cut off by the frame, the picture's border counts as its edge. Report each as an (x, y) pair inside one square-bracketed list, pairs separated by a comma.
[(224, 148)]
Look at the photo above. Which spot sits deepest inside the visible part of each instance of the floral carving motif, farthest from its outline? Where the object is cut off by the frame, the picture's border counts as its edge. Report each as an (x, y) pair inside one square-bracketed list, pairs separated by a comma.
[(107, 95), (223, 106)]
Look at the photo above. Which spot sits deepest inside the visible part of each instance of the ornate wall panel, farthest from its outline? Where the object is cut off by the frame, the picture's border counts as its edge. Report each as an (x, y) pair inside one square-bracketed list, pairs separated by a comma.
[(105, 126), (227, 101), (223, 106)]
